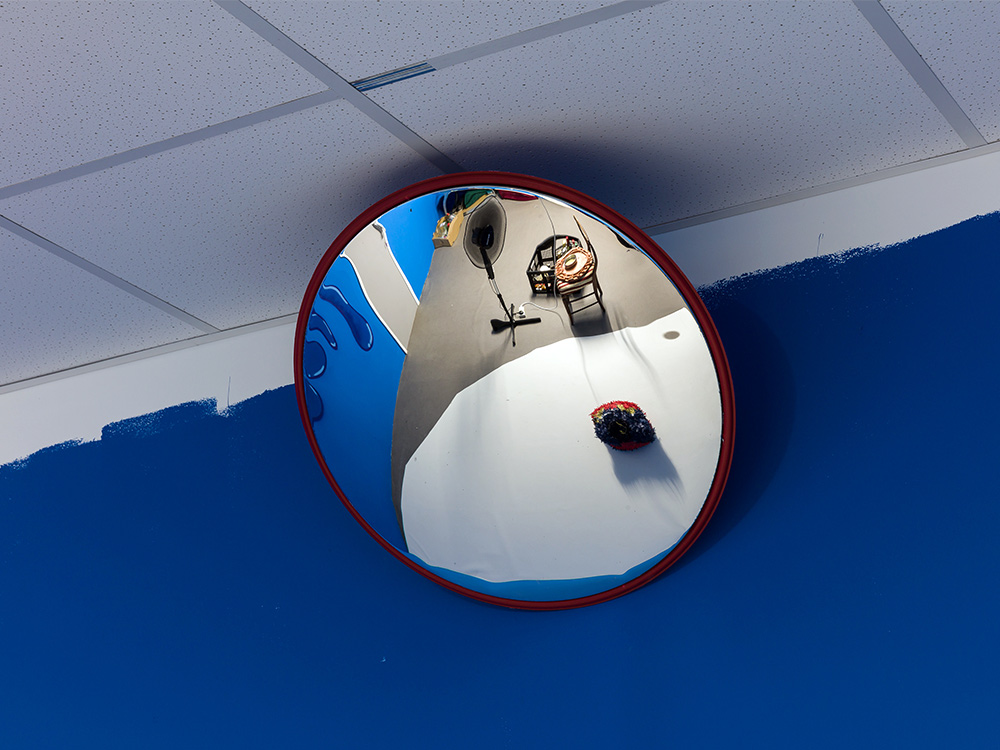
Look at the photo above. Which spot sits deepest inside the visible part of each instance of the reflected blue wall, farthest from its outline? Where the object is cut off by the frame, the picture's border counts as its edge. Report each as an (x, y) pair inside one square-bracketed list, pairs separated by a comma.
[(409, 229), (349, 351), (356, 396), (191, 581)]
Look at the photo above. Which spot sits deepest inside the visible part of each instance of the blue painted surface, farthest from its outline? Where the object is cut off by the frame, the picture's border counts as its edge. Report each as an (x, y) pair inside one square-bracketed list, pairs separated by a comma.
[(356, 322), (356, 433), (409, 229), (193, 583), (353, 396)]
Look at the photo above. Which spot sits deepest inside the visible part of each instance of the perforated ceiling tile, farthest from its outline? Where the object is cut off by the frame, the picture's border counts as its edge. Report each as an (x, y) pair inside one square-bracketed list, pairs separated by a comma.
[(228, 229), (721, 105), (961, 43), (359, 39), (57, 316), (86, 80)]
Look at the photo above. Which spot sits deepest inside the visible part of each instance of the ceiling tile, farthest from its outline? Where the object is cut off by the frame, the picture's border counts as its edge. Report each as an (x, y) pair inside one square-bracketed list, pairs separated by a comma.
[(724, 105), (961, 43), (228, 229), (360, 39), (58, 316), (100, 78)]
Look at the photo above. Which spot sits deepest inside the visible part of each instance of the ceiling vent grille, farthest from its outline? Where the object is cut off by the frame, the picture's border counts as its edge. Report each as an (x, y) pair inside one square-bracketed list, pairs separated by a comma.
[(399, 74)]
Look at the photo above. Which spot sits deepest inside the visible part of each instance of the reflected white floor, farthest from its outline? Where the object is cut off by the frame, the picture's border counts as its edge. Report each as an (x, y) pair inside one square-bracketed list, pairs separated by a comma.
[(512, 484)]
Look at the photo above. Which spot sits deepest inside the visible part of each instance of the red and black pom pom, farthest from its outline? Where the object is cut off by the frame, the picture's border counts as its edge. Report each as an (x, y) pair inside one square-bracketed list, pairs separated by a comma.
[(622, 425)]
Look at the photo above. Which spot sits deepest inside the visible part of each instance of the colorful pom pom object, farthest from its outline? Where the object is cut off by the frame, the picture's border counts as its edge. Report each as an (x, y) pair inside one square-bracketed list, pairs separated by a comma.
[(622, 425)]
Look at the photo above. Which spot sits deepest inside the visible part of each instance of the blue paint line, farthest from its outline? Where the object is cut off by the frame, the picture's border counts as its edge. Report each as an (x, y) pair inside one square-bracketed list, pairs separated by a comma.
[(56, 449), (167, 419)]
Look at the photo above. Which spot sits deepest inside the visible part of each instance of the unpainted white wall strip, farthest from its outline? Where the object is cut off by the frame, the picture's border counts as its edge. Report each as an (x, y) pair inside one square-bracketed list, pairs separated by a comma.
[(395, 261), (77, 404), (830, 187), (154, 351)]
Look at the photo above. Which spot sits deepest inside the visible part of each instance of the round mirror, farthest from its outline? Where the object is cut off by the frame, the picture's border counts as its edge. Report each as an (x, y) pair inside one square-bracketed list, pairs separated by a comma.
[(514, 390)]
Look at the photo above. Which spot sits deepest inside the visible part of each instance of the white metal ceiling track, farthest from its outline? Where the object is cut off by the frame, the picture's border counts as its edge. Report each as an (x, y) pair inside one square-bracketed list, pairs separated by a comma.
[(105, 275), (338, 85), (186, 139), (900, 45)]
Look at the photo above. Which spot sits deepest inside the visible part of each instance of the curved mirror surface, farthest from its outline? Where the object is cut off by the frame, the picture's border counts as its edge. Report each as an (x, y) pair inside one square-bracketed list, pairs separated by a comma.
[(471, 445)]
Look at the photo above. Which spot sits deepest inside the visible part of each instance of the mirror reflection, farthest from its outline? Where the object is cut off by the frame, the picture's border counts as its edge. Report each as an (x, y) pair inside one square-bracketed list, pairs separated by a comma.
[(512, 393)]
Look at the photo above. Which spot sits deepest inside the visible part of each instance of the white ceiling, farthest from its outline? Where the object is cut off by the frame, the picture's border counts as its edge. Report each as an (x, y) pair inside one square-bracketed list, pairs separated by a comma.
[(176, 169)]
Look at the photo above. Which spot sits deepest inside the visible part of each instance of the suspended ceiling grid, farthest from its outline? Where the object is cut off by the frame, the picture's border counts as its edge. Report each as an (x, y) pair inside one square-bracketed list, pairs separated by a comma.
[(175, 170)]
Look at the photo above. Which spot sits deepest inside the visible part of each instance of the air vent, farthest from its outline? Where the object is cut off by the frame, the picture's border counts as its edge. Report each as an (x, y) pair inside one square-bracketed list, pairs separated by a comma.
[(399, 74)]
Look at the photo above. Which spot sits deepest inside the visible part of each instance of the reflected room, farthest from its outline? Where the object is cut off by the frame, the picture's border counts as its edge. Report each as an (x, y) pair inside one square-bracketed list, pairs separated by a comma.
[(511, 393)]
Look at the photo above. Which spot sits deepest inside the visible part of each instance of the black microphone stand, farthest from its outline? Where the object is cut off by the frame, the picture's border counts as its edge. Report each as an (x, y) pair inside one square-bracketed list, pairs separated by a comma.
[(483, 243)]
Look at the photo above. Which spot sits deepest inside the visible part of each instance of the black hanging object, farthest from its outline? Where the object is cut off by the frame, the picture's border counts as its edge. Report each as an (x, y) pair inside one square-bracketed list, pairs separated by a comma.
[(485, 229)]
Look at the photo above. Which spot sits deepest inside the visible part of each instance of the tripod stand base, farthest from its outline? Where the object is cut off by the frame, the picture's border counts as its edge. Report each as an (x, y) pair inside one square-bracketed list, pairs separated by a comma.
[(500, 325)]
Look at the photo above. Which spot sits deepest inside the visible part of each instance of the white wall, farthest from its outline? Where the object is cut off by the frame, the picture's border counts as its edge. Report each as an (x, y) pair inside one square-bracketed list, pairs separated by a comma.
[(883, 212), (78, 403), (75, 405)]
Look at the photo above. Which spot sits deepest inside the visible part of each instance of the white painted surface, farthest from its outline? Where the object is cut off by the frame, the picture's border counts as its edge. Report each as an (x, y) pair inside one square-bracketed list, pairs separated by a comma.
[(82, 80), (229, 370), (728, 103), (120, 123), (58, 310), (382, 281), (961, 43), (879, 213), (512, 484), (359, 39), (883, 212), (229, 230)]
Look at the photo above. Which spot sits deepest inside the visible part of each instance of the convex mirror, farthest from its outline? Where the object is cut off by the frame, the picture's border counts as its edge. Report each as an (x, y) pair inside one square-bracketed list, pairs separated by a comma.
[(514, 390)]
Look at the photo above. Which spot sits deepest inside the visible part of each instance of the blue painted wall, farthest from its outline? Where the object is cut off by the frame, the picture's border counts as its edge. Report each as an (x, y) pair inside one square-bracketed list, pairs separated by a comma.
[(409, 229), (356, 433), (189, 581)]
